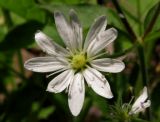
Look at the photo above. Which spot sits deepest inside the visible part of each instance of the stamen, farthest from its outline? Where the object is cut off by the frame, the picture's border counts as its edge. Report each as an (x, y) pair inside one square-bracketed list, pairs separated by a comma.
[(78, 61), (129, 104), (96, 56), (47, 76), (131, 100)]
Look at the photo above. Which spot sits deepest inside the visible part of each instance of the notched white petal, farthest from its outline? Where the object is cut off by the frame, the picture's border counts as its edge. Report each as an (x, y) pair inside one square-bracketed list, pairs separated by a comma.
[(59, 83), (103, 39), (48, 45), (44, 64), (77, 29), (147, 104), (108, 65), (97, 82), (76, 94), (140, 105), (64, 28), (141, 99), (98, 26)]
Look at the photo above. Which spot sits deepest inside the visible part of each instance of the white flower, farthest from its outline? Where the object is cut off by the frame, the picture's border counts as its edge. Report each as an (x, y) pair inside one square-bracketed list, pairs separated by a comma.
[(78, 61), (141, 103)]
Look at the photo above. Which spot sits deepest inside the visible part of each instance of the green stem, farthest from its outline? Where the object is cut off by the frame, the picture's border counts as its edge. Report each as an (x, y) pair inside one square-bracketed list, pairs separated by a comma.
[(142, 64), (124, 20), (143, 67), (10, 24), (139, 16), (7, 17), (149, 53), (20, 61)]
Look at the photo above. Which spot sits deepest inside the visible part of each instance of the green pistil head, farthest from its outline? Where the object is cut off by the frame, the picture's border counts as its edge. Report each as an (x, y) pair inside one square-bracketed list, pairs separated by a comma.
[(78, 61)]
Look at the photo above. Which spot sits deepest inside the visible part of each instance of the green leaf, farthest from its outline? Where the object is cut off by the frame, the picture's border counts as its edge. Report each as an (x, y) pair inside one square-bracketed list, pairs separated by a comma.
[(18, 106), (152, 36), (137, 9), (150, 16), (45, 112), (62, 1), (70, 2), (21, 36), (24, 8)]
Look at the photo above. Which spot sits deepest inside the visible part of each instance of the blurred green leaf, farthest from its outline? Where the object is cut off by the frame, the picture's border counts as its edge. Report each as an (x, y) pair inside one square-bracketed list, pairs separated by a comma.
[(21, 36), (24, 8), (70, 2), (123, 41), (98, 101), (45, 112), (3, 28), (3, 31), (60, 101), (35, 106), (6, 75), (62, 1), (19, 104)]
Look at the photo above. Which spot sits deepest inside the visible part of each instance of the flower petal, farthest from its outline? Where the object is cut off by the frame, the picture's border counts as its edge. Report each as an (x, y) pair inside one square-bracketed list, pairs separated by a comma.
[(59, 83), (101, 41), (147, 104), (64, 29), (76, 94), (141, 99), (98, 82), (77, 29), (108, 65), (48, 45), (98, 26), (140, 103), (140, 108), (44, 64)]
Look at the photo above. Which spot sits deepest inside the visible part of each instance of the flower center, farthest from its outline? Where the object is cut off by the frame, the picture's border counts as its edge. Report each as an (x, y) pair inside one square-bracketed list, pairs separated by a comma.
[(78, 61)]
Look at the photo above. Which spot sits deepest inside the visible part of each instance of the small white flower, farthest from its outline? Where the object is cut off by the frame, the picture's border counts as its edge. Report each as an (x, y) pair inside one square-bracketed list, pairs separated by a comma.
[(141, 103), (78, 61)]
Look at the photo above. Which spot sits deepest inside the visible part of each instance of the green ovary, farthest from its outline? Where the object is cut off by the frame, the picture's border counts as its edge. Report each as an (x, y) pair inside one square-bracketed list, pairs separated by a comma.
[(78, 61)]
